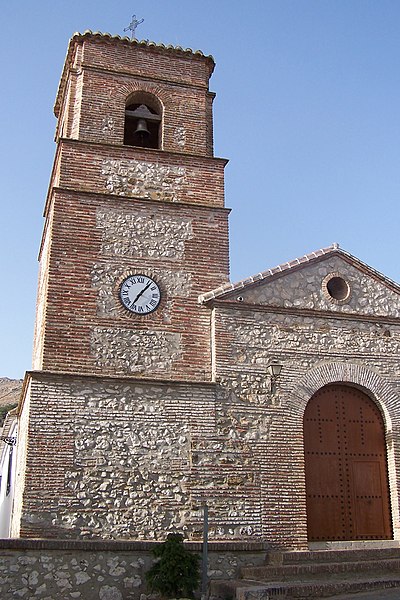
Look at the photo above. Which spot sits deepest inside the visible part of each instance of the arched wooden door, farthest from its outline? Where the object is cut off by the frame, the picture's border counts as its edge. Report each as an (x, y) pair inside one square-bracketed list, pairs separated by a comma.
[(346, 468)]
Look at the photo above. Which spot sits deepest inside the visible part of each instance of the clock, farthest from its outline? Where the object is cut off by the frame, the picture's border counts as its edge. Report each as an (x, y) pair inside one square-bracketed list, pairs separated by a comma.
[(140, 294)]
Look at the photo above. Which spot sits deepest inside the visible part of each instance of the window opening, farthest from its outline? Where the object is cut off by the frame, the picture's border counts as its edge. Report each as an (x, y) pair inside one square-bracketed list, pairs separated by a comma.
[(336, 289), (142, 126)]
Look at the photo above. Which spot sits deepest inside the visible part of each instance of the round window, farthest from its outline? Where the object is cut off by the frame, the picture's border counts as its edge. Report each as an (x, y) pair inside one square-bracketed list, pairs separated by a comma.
[(336, 289)]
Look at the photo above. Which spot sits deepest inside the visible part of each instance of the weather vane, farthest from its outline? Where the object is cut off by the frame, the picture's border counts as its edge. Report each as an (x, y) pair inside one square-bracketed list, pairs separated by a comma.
[(132, 26)]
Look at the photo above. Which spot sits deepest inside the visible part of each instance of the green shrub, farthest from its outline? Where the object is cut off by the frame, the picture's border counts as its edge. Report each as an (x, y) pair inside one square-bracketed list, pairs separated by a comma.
[(176, 572)]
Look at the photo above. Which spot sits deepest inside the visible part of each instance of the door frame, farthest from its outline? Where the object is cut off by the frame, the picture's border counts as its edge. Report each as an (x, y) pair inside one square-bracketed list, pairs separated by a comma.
[(335, 445), (385, 396)]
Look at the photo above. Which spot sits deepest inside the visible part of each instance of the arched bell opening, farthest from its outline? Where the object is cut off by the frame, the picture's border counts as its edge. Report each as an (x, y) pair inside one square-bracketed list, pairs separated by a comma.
[(143, 119), (347, 485)]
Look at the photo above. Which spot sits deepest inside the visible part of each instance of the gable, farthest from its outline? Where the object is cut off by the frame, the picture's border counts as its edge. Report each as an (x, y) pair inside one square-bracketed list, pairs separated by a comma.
[(331, 283)]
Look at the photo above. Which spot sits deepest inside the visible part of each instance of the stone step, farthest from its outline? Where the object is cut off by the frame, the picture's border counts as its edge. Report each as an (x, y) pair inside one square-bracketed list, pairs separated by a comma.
[(354, 545), (336, 556), (315, 569), (300, 589), (315, 574)]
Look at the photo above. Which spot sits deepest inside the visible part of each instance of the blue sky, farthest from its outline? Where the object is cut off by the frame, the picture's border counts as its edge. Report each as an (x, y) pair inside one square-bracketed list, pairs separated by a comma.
[(307, 111)]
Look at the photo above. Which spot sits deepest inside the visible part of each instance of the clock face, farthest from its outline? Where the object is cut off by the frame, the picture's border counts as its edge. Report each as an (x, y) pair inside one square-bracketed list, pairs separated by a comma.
[(140, 294)]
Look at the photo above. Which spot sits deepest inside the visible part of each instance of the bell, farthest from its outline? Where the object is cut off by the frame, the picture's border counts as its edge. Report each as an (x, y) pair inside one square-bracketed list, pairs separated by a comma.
[(141, 128)]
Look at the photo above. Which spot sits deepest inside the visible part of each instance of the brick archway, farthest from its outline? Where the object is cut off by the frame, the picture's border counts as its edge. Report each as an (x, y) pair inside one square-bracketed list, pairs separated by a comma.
[(380, 390), (373, 384)]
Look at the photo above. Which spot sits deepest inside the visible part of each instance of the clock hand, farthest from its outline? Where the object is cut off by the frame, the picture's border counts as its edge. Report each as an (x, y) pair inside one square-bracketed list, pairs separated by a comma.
[(141, 292)]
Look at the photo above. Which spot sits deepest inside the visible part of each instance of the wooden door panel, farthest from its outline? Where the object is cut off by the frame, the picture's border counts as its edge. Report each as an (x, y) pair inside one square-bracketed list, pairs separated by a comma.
[(316, 469), (320, 427), (366, 478), (345, 463), (326, 522), (369, 523), (369, 484)]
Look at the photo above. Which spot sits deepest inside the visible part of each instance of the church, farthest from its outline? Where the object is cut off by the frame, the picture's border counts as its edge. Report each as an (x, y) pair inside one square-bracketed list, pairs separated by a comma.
[(157, 385)]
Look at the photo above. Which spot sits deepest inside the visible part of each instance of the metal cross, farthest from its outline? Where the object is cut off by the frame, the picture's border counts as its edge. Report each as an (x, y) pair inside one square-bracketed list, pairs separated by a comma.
[(132, 26)]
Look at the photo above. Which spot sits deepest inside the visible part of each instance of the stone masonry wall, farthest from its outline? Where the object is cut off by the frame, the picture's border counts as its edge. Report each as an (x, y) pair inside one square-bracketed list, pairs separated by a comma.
[(303, 288), (247, 338), (138, 173), (71, 571), (122, 466), (100, 240), (137, 459)]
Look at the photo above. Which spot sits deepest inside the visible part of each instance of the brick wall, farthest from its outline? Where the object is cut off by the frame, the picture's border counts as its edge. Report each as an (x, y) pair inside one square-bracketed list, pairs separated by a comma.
[(101, 74), (114, 210), (99, 240), (138, 173)]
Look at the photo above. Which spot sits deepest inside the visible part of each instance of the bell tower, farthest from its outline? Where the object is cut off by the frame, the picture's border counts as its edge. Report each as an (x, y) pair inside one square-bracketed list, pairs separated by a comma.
[(135, 230), (135, 197)]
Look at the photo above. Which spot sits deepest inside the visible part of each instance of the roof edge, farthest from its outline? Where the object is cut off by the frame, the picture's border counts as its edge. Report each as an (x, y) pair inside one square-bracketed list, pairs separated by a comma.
[(88, 33), (227, 288)]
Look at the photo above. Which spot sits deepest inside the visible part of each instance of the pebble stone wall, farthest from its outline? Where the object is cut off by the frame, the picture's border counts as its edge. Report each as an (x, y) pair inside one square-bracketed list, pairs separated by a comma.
[(303, 288), (338, 343), (43, 571), (143, 234), (144, 179), (123, 463)]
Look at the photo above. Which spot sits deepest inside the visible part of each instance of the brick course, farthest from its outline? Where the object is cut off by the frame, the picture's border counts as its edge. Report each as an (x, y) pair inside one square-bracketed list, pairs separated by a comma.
[(83, 245)]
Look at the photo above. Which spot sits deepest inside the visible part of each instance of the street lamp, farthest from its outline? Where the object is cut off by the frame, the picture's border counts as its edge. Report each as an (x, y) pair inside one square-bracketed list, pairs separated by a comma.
[(274, 369)]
